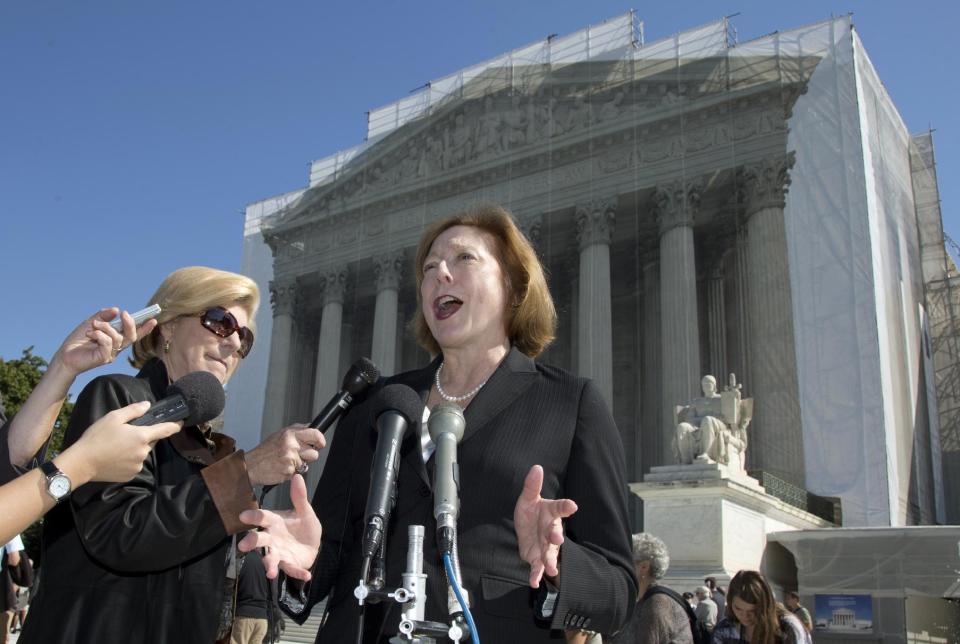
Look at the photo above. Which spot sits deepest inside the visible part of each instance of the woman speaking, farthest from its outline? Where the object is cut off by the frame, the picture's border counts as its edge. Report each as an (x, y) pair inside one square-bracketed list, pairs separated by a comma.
[(542, 475)]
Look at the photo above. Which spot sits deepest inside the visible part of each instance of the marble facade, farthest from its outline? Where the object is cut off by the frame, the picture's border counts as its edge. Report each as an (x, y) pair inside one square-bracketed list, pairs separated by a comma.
[(657, 192)]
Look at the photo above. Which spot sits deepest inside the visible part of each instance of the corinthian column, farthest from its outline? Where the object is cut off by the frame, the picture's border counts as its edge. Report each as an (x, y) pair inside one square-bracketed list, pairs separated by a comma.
[(594, 222), (677, 203), (532, 228), (717, 322), (776, 442), (328, 376), (655, 444), (283, 297), (388, 270)]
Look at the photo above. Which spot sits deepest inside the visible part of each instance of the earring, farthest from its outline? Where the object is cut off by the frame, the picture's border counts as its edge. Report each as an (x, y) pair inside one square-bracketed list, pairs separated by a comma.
[(166, 346)]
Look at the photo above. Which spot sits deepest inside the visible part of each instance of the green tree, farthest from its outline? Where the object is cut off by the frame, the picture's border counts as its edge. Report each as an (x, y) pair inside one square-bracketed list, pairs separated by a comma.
[(17, 379)]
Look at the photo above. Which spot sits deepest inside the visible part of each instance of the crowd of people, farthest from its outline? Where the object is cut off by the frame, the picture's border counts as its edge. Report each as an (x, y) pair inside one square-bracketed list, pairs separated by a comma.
[(746, 613), (153, 533)]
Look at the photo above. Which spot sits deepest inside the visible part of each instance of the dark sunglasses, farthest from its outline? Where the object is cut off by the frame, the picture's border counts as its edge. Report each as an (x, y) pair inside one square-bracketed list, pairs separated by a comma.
[(221, 321)]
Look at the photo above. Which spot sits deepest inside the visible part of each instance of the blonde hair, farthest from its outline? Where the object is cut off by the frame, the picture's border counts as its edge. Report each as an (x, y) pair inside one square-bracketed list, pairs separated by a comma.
[(531, 318), (193, 290)]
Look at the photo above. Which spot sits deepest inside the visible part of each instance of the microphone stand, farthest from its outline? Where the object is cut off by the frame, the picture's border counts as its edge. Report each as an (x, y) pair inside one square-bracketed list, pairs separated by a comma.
[(412, 595)]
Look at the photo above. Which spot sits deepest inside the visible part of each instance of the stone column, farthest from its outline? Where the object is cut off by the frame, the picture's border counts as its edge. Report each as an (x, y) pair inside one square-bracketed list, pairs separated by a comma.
[(283, 297), (388, 270), (717, 323), (595, 222), (776, 441), (677, 203), (743, 317), (328, 376), (656, 443)]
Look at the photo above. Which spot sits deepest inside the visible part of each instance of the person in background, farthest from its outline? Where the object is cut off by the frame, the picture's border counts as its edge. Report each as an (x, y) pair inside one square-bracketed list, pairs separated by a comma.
[(250, 623), (24, 592), (582, 637), (12, 551), (706, 610), (754, 617), (690, 599), (717, 595), (792, 601), (659, 616), (149, 560)]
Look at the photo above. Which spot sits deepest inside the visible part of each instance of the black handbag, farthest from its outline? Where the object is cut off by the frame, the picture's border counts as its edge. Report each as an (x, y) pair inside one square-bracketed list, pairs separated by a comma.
[(22, 573)]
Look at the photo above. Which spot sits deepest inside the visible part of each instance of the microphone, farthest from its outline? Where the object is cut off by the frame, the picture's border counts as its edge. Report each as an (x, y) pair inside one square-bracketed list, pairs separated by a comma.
[(395, 408), (360, 376), (446, 427), (195, 398)]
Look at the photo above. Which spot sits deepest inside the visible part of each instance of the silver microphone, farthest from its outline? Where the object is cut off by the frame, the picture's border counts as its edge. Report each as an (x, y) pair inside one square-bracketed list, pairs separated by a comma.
[(446, 426)]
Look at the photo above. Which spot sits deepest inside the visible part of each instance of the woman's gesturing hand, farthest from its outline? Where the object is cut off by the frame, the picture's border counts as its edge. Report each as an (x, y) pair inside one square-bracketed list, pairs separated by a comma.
[(291, 538), (539, 526)]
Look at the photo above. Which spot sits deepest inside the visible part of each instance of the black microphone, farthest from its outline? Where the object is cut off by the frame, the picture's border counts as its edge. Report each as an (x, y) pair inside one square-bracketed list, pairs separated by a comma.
[(195, 398), (446, 427), (361, 375), (396, 408)]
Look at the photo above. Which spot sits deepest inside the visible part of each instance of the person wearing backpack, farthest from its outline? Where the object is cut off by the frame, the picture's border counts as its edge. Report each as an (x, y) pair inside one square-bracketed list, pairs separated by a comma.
[(661, 615)]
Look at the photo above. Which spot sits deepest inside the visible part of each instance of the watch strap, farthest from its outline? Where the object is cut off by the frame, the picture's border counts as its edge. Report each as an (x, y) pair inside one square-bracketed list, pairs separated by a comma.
[(49, 469), (52, 473)]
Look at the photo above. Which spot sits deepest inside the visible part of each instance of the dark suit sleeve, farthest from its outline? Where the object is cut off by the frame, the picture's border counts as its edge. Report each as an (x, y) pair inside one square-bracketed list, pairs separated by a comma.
[(331, 503), (9, 471), (141, 525), (597, 583)]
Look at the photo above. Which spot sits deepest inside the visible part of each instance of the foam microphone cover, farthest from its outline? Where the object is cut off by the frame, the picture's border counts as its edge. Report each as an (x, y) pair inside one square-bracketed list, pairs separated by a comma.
[(399, 398), (203, 394), (361, 375)]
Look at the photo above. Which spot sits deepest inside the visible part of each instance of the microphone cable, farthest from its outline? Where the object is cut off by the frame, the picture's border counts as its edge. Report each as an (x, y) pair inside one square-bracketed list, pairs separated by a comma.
[(455, 585), (364, 573)]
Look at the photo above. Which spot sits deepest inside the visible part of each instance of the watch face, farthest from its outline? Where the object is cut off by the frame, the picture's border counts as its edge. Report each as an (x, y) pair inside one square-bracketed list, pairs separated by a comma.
[(59, 486)]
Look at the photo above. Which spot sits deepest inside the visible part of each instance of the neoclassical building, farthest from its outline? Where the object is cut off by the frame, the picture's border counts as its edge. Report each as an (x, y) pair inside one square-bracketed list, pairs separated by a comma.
[(700, 205)]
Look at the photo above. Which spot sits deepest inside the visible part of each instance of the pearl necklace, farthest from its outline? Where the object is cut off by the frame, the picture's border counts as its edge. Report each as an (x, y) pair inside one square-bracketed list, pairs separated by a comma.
[(450, 398)]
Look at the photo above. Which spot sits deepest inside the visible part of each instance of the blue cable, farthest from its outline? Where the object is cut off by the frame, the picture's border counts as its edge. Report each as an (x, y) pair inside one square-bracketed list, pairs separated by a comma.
[(474, 636)]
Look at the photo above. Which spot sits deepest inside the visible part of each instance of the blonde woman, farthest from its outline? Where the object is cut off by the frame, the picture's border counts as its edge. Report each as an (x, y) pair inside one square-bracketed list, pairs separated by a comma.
[(151, 559)]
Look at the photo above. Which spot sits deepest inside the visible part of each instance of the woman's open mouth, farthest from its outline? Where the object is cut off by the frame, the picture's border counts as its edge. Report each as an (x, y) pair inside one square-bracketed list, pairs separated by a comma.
[(445, 306)]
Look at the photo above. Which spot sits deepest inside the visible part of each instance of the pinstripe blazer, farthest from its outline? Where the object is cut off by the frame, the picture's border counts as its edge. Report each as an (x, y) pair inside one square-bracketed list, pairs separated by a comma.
[(526, 414)]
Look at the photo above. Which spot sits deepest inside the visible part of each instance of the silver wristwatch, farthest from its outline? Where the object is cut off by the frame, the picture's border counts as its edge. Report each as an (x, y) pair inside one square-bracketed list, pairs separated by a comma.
[(58, 483)]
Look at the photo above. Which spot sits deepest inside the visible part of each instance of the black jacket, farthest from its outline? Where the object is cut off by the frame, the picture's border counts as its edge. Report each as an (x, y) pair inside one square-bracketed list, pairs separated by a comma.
[(142, 561), (526, 414)]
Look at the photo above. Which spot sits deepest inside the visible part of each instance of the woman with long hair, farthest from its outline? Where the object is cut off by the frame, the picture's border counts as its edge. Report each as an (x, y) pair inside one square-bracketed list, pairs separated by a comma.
[(754, 616)]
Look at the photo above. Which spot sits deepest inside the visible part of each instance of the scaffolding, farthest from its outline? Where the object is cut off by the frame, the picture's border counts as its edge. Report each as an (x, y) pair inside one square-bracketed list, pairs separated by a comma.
[(942, 291)]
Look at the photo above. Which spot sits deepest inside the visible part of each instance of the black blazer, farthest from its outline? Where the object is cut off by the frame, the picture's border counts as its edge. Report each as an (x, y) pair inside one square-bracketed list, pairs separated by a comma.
[(526, 414), (141, 561)]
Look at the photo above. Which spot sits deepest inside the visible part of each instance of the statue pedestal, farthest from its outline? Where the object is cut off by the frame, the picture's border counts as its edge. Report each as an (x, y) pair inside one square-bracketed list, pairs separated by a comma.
[(714, 521)]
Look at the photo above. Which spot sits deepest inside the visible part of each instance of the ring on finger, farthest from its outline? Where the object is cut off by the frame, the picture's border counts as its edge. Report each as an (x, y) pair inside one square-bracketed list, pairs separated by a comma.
[(302, 468)]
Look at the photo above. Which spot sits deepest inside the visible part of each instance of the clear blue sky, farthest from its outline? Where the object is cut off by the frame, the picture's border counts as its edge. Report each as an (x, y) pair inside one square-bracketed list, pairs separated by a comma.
[(133, 134)]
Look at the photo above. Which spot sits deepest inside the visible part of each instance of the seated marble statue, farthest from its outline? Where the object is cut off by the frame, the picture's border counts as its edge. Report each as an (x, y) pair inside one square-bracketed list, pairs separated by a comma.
[(713, 427)]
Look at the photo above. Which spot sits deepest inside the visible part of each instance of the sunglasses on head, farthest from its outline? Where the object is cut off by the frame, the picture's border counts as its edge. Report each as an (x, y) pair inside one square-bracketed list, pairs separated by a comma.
[(220, 321)]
